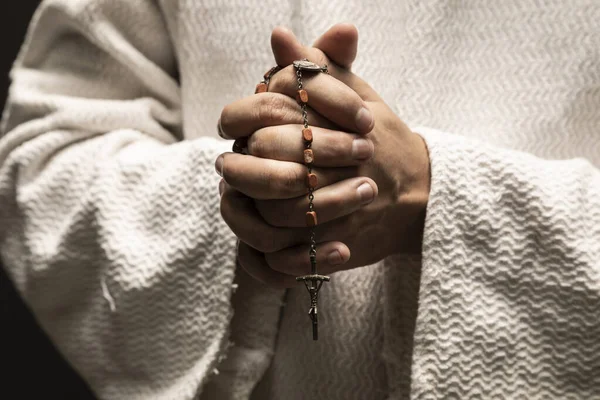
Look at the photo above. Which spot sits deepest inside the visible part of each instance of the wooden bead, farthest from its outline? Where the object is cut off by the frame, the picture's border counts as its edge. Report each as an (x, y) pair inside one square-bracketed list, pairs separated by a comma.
[(307, 135), (309, 157), (311, 218), (237, 148), (302, 96), (312, 181), (261, 88), (240, 144), (271, 72)]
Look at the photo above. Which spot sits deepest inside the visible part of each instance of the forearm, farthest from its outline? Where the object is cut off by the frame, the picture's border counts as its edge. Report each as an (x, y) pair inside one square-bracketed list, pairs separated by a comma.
[(109, 225), (117, 239)]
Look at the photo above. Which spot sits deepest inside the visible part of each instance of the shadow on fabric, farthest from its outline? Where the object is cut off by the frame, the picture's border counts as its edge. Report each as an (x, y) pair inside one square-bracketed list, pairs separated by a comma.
[(32, 367)]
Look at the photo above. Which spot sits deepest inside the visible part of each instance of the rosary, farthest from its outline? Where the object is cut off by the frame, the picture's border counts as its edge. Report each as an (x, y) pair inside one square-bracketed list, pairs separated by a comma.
[(313, 281)]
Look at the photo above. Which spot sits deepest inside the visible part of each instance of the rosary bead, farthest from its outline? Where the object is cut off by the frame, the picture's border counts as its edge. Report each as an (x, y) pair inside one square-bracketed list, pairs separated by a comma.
[(307, 135), (312, 181), (302, 96), (309, 157), (239, 145), (261, 88), (311, 218), (270, 73)]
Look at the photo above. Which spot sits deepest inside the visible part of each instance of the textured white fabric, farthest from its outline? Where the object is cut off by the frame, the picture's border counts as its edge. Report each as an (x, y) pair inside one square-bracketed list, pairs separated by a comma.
[(109, 224)]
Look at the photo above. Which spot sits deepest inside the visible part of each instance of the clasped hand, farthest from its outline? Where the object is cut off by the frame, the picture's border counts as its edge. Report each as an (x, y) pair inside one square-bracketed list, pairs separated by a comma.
[(373, 172)]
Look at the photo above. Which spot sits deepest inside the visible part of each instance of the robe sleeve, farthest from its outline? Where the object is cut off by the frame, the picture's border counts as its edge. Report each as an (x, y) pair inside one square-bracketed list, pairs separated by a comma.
[(510, 284), (109, 225)]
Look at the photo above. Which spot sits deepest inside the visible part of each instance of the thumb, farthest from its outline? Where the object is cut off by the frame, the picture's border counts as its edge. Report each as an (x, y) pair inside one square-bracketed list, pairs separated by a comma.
[(338, 45), (286, 47), (339, 51)]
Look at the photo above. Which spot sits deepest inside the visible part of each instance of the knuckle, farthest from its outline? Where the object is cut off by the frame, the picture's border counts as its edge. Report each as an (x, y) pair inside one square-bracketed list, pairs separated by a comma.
[(338, 147), (255, 145), (272, 109), (289, 182), (282, 80), (321, 58), (260, 143)]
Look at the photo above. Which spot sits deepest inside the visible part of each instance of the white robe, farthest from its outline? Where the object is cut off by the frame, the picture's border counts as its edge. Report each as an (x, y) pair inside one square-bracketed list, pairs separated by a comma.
[(110, 227)]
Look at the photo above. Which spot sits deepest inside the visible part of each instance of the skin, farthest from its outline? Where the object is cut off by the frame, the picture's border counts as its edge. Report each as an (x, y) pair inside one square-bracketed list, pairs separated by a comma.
[(373, 172)]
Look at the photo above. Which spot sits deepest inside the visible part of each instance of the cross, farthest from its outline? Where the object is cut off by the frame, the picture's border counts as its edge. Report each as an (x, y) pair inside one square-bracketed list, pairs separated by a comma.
[(313, 283)]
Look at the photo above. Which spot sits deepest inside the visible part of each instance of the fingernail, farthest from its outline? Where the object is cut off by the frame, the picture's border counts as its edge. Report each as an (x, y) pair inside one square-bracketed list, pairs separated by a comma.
[(366, 193), (335, 258), (285, 28), (220, 130), (219, 165), (364, 120), (221, 186), (362, 149)]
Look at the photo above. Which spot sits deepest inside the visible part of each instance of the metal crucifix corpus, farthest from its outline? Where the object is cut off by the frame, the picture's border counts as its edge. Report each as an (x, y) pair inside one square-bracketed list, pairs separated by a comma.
[(313, 283)]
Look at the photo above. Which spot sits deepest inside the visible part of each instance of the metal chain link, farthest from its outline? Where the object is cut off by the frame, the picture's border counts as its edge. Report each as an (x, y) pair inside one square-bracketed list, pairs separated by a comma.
[(313, 282), (313, 242)]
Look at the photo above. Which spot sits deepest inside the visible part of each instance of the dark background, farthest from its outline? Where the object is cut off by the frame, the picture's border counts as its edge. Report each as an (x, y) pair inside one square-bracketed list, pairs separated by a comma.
[(31, 367)]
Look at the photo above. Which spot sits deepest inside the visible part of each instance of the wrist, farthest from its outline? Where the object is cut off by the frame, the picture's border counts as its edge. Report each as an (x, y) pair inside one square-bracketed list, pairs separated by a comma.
[(422, 182), (413, 200)]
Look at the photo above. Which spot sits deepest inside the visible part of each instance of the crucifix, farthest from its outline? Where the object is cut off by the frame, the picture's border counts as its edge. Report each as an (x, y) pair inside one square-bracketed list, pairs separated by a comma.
[(313, 283)]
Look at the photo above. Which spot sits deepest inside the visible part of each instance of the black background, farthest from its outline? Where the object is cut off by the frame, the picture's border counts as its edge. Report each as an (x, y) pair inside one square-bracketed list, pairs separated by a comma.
[(30, 366)]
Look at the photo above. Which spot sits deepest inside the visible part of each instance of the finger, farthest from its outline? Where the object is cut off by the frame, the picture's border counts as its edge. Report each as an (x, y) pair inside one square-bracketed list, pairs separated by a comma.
[(255, 265), (328, 96), (262, 178), (286, 49), (340, 44), (240, 215), (330, 202), (295, 261), (331, 148), (242, 117)]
